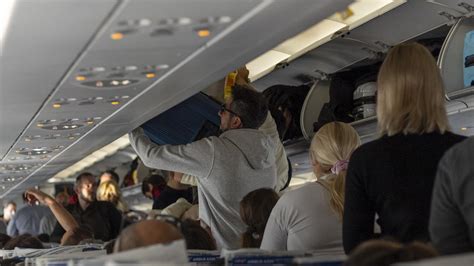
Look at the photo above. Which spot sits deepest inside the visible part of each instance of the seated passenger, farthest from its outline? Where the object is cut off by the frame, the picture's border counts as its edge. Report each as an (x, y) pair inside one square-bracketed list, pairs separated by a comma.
[(110, 191), (309, 217), (393, 176), (31, 219), (172, 191), (196, 237), (4, 239), (146, 233), (152, 186), (101, 216), (109, 175), (23, 241), (227, 167), (452, 206), (76, 235), (385, 253), (255, 208)]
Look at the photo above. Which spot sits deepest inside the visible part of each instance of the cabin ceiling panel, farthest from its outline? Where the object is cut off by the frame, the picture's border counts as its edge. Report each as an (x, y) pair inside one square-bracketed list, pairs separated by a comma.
[(34, 57), (151, 25)]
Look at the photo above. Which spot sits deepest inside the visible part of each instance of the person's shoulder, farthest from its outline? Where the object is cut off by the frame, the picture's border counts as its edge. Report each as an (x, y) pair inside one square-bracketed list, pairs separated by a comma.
[(461, 151), (454, 137), (104, 204)]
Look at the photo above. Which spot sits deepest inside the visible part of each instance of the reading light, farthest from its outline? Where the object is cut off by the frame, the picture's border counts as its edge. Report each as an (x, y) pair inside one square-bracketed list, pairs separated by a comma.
[(116, 36), (56, 105), (464, 128), (150, 75), (203, 33), (115, 102), (80, 78)]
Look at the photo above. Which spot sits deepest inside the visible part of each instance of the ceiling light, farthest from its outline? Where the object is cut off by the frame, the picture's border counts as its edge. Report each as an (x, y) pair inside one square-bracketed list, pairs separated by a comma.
[(184, 21), (464, 128), (203, 33), (126, 82), (116, 36), (107, 83), (125, 97), (115, 102), (115, 83), (150, 75), (80, 78), (6, 10), (56, 105), (131, 68)]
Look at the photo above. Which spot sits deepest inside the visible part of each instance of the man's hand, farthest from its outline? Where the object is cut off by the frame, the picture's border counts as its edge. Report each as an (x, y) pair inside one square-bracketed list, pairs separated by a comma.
[(242, 76), (35, 194)]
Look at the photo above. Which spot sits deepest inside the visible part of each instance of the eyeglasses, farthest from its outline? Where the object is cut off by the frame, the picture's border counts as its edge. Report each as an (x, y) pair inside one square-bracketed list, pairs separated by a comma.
[(225, 109)]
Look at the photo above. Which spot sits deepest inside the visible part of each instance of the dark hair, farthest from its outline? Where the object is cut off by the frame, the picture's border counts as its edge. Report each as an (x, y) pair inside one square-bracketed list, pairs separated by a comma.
[(249, 105), (286, 98), (4, 239), (196, 237), (77, 235), (154, 180), (23, 241), (44, 238), (385, 253), (112, 174), (81, 176), (255, 208)]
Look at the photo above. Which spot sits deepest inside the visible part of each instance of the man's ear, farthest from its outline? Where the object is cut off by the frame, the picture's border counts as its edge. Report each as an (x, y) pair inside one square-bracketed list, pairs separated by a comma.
[(236, 122)]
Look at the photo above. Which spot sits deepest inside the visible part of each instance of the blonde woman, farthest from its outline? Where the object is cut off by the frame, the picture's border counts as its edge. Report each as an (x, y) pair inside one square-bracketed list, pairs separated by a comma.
[(310, 217), (110, 191), (393, 176)]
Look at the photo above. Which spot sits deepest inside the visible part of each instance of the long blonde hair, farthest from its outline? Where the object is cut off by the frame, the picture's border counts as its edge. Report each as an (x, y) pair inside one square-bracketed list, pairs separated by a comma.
[(334, 142), (410, 92), (110, 191)]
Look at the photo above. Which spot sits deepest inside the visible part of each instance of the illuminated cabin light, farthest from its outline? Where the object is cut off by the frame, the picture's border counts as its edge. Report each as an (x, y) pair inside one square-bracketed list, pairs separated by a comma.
[(90, 122), (116, 36), (80, 78), (56, 105), (126, 82), (150, 75), (99, 84), (464, 128), (203, 33), (115, 102), (40, 125), (115, 83)]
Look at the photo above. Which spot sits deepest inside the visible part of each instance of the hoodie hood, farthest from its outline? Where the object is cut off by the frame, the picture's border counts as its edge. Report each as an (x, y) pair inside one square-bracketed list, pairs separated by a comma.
[(257, 147)]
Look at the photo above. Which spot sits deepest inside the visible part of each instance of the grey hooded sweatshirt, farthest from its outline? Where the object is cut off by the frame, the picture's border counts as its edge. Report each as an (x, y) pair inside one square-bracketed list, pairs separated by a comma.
[(227, 168)]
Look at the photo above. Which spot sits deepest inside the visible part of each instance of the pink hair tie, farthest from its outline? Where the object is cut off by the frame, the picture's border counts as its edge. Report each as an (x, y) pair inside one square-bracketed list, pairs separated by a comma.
[(339, 166)]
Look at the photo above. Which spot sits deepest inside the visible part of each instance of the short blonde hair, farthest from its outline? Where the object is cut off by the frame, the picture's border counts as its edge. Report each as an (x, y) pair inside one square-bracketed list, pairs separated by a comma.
[(334, 142), (110, 191), (410, 92)]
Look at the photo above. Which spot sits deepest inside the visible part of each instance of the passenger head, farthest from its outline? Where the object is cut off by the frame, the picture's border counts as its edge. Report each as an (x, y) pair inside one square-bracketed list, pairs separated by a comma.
[(255, 209), (75, 236), (246, 108), (197, 237), (384, 253), (110, 191), (85, 187), (151, 185), (23, 241), (330, 151), (109, 175), (140, 235), (4, 239), (9, 210), (410, 92)]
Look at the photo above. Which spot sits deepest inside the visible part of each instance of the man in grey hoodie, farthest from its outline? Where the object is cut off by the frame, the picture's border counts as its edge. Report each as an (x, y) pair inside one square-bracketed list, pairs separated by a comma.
[(452, 205), (227, 167)]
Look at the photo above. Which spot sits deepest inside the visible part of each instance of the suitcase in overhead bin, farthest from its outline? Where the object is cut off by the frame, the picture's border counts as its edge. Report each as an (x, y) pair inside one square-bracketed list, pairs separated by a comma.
[(365, 100), (193, 119), (469, 59)]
